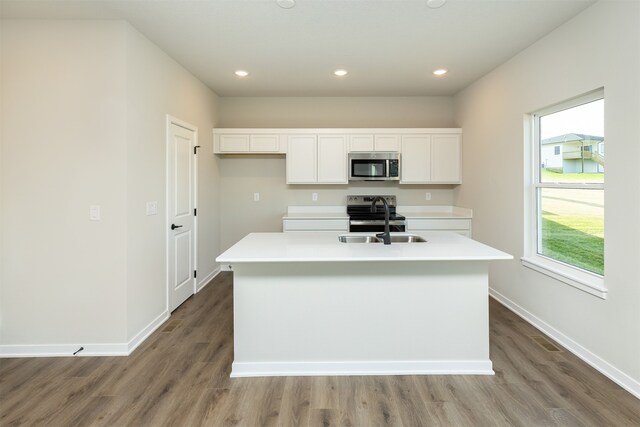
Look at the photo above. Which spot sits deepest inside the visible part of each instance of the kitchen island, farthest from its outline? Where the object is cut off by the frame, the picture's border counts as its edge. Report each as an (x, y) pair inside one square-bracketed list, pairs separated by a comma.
[(306, 304)]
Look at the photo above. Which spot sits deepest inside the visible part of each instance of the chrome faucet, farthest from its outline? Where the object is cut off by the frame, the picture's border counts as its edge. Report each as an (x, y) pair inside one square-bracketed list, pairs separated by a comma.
[(386, 236)]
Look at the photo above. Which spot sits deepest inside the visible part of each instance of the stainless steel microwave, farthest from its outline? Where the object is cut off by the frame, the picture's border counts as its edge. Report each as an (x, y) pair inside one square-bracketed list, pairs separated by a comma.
[(374, 166)]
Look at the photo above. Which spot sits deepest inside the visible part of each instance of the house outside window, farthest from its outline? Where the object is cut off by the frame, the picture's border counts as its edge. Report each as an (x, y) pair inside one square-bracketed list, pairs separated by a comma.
[(566, 214)]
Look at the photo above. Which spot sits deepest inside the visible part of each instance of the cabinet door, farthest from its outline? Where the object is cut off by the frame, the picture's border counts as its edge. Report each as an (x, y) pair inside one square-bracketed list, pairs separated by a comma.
[(361, 143), (446, 159), (264, 143), (415, 159), (234, 143), (301, 159), (332, 159), (387, 143)]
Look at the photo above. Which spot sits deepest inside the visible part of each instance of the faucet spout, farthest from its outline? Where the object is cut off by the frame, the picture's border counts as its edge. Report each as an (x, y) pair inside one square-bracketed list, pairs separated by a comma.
[(386, 236)]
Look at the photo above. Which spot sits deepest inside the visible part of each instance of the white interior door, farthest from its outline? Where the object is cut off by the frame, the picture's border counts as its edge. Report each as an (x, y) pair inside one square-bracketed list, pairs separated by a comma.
[(181, 204)]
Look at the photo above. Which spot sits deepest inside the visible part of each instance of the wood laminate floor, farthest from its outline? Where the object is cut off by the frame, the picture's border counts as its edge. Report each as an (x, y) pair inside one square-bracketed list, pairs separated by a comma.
[(180, 377)]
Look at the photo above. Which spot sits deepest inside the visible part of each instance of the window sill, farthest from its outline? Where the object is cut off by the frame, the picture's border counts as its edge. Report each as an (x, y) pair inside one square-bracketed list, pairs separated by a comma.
[(585, 281)]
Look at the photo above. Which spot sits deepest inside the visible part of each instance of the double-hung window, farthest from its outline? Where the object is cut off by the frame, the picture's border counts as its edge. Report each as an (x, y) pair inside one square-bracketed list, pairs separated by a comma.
[(566, 210)]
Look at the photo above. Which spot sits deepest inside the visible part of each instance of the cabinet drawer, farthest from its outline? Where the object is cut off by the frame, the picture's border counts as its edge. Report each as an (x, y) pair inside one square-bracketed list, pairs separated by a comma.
[(439, 224), (315, 225)]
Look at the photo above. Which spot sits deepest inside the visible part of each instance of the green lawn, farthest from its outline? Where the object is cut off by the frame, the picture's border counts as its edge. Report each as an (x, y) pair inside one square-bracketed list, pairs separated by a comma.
[(550, 176), (578, 241)]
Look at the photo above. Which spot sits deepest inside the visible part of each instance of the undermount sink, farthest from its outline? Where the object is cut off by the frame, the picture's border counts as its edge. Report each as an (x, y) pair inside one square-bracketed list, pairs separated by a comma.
[(359, 239), (401, 238), (407, 238)]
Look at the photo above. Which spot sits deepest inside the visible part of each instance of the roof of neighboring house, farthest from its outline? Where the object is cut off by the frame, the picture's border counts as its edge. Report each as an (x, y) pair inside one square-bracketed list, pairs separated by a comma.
[(572, 137)]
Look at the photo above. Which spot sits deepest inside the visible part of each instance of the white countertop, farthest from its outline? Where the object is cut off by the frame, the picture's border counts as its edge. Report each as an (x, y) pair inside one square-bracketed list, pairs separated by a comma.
[(325, 247)]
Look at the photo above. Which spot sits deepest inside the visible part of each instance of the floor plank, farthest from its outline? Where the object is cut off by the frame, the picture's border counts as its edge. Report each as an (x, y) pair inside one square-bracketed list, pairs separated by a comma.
[(180, 377)]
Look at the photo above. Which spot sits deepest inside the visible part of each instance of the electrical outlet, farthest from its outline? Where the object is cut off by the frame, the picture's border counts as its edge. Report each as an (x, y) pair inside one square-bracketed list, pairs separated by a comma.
[(427, 196), (314, 197), (256, 197)]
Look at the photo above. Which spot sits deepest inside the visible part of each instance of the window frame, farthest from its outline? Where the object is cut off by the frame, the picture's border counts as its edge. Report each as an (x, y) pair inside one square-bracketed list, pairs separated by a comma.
[(579, 278)]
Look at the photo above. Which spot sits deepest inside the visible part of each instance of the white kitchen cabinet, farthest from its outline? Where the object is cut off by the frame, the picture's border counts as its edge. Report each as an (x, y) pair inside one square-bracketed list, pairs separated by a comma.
[(431, 159), (233, 143), (446, 155), (246, 143), (372, 142), (361, 142), (457, 225), (317, 159), (386, 143), (320, 156), (415, 167), (302, 159), (332, 159), (339, 225)]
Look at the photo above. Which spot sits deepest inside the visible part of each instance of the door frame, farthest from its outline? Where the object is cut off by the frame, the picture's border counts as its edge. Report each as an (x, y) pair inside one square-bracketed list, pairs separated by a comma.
[(175, 121)]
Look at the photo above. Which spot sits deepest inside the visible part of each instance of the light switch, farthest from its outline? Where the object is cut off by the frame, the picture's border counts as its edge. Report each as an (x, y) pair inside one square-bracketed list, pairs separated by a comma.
[(314, 197), (427, 196), (94, 212), (256, 197), (152, 208)]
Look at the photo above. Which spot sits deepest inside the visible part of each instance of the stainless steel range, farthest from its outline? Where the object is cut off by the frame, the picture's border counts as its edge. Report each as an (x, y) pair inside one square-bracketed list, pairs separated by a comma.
[(362, 219)]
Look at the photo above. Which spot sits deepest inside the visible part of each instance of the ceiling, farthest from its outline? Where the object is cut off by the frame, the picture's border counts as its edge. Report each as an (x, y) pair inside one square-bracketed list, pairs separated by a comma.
[(389, 47)]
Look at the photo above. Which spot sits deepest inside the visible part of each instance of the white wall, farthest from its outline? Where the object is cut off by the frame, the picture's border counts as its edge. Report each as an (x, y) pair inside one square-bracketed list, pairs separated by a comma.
[(63, 149), (84, 110), (241, 176), (157, 86), (598, 48), (337, 112)]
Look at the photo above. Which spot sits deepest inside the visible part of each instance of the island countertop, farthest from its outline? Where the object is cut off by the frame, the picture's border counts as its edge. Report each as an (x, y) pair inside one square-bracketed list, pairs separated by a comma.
[(325, 247)]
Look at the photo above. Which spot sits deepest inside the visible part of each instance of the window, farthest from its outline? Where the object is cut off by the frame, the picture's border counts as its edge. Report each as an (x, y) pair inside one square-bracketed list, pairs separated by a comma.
[(566, 221)]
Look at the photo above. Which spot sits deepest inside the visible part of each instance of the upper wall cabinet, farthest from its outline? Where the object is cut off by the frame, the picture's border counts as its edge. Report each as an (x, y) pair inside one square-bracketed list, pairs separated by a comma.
[(317, 159), (431, 159), (319, 156), (230, 141), (371, 142)]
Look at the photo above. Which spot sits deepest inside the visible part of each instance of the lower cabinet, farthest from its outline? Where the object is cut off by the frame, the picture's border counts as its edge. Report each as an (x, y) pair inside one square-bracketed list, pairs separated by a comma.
[(457, 225), (315, 225)]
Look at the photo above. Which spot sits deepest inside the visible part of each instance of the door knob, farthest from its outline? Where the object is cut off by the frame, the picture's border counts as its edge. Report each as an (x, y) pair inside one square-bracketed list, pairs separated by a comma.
[(173, 226)]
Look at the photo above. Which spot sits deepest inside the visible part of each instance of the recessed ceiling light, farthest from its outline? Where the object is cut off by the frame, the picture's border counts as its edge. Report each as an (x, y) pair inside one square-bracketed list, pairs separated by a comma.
[(241, 73), (440, 72), (340, 73), (286, 4), (434, 4)]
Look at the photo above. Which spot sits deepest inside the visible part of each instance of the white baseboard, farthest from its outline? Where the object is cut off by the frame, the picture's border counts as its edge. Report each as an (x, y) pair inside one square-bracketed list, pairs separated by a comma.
[(62, 350), (601, 365), (115, 349), (67, 350), (148, 330), (277, 369), (205, 281)]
